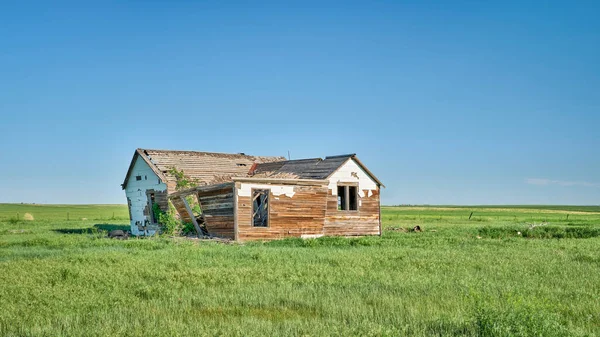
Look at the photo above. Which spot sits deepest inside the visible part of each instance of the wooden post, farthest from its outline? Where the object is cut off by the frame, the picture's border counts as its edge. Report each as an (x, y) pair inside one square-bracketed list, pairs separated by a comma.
[(67, 216), (379, 206), (235, 212), (189, 210), (347, 201)]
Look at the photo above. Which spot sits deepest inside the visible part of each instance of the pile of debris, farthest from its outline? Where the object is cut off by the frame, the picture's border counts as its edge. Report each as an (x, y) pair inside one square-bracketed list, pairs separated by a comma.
[(401, 229), (534, 225), (119, 234)]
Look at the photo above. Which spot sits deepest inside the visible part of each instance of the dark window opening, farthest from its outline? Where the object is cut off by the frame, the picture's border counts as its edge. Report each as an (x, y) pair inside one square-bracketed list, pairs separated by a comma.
[(151, 202), (352, 198), (341, 198), (138, 177), (347, 198), (240, 164), (260, 208), (129, 206), (145, 177)]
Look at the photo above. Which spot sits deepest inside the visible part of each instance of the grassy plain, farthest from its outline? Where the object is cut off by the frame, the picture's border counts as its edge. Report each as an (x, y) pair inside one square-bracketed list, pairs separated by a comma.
[(460, 276)]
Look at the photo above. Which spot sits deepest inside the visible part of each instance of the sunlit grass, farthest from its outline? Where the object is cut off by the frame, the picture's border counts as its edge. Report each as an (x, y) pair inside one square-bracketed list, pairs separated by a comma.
[(460, 276)]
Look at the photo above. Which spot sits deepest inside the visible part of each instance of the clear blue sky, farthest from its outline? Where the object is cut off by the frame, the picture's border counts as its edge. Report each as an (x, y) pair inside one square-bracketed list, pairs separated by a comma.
[(446, 102)]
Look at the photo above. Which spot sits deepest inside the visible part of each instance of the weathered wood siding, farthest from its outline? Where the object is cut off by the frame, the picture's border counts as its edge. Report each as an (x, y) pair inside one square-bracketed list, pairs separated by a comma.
[(136, 192), (365, 220), (217, 208), (181, 210), (216, 203), (294, 211)]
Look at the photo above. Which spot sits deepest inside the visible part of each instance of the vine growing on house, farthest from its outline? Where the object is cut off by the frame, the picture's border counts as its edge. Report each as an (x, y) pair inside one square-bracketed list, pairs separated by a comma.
[(170, 222), (182, 181)]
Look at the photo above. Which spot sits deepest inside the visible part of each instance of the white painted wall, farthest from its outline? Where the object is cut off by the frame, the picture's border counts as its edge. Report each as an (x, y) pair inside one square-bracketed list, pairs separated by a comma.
[(245, 189), (351, 172), (136, 192)]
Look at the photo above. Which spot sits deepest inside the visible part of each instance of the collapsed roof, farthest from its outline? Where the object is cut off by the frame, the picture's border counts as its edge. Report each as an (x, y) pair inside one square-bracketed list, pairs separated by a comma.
[(209, 168), (205, 167)]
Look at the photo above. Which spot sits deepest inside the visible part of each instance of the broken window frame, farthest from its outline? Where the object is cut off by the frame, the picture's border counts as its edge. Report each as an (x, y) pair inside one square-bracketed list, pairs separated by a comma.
[(266, 196), (348, 201)]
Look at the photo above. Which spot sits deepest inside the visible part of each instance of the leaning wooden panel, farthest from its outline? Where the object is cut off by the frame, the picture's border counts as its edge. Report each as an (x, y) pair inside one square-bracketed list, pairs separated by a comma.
[(216, 205), (217, 208)]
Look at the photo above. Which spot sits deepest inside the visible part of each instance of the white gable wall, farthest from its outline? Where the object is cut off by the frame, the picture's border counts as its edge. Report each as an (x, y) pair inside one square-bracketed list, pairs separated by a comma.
[(366, 219), (351, 172), (136, 192)]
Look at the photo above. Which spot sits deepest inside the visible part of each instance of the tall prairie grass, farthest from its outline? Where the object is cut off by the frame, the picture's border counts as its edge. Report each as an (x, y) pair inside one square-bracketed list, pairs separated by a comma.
[(459, 277)]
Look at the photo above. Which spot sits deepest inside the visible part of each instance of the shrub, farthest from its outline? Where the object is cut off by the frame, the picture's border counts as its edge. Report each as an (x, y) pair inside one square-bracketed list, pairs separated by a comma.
[(188, 228), (168, 221)]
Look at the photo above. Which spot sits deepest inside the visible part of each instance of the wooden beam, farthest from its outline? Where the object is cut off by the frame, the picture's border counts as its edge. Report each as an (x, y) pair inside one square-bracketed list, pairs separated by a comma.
[(200, 189), (308, 182), (235, 212), (189, 210), (379, 208)]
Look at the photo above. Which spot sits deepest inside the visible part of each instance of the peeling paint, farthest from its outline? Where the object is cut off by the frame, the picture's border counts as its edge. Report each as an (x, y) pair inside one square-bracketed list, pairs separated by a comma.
[(310, 236), (136, 192), (245, 189), (351, 172)]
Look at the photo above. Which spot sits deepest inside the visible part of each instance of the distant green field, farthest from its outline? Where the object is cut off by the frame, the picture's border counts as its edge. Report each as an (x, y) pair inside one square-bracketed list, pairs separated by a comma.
[(595, 208), (64, 212), (472, 271)]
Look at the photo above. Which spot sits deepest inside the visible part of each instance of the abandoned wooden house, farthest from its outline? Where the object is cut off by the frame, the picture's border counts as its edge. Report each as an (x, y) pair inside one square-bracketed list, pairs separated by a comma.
[(243, 197)]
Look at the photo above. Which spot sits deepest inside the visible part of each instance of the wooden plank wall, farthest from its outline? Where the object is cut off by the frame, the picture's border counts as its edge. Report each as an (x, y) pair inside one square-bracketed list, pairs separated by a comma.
[(365, 221), (181, 210), (217, 208), (216, 205), (301, 214), (161, 198)]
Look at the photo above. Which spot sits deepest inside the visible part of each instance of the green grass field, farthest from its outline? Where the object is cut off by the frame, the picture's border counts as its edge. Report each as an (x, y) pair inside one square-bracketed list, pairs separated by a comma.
[(490, 275)]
